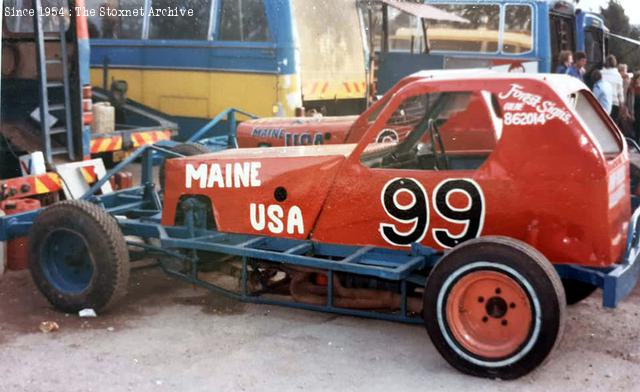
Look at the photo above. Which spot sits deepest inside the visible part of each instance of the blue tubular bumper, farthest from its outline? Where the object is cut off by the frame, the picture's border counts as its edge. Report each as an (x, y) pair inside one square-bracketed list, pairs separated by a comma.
[(18, 225), (618, 281)]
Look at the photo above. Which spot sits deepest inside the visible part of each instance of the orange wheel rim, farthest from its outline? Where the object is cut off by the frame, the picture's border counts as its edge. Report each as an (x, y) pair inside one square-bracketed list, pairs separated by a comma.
[(489, 314)]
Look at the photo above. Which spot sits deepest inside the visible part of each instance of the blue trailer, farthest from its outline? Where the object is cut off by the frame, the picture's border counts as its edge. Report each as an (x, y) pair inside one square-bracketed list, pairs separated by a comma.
[(509, 36)]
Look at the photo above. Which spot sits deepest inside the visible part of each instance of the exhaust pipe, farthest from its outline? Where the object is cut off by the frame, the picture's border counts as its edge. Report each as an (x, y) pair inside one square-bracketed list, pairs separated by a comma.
[(305, 291)]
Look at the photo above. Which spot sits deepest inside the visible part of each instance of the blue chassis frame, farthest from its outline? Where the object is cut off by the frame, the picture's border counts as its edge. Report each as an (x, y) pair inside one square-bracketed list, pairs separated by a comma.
[(138, 212)]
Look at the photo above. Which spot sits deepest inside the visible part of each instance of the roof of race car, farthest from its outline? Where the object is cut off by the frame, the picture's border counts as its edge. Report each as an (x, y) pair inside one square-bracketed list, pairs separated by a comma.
[(564, 85), (305, 120)]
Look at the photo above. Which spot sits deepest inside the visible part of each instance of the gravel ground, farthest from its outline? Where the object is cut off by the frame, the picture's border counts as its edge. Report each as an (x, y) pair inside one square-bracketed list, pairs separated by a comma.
[(168, 335)]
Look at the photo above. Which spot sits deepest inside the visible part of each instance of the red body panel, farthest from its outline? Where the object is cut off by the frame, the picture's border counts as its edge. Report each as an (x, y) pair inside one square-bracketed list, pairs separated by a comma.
[(296, 131), (548, 184), (306, 177)]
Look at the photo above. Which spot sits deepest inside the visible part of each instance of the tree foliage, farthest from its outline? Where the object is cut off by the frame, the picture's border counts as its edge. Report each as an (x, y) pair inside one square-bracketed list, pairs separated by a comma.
[(618, 23)]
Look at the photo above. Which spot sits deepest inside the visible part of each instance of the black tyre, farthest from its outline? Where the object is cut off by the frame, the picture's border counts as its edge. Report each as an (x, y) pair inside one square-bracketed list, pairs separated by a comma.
[(494, 307), (78, 257), (186, 149), (576, 291)]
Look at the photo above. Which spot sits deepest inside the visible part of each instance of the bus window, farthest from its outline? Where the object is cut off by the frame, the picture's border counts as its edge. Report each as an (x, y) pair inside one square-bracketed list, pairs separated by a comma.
[(243, 20), (24, 23), (372, 24), (593, 46), (331, 55), (518, 36), (109, 25), (405, 32), (562, 35), (480, 35), (194, 27)]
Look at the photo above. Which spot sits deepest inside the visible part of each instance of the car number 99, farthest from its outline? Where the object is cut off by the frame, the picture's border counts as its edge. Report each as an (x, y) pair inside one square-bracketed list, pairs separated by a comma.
[(416, 212)]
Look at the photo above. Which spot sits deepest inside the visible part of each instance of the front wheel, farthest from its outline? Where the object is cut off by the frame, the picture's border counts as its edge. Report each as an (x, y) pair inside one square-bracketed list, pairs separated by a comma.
[(494, 307), (78, 257)]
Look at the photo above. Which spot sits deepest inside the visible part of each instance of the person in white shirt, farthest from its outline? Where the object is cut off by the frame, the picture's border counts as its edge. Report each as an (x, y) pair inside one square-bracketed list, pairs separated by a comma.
[(611, 75), (602, 90)]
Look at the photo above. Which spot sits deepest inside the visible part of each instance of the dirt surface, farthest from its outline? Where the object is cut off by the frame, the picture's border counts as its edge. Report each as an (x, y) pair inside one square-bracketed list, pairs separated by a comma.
[(167, 335)]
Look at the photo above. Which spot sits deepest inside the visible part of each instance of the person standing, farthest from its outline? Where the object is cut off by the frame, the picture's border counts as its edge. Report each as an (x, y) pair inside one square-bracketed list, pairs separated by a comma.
[(565, 61), (602, 90), (627, 116), (624, 74), (565, 65), (611, 75), (580, 64), (635, 87), (626, 83)]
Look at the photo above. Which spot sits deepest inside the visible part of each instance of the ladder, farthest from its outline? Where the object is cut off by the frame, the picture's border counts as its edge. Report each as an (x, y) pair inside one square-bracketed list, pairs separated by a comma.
[(55, 140)]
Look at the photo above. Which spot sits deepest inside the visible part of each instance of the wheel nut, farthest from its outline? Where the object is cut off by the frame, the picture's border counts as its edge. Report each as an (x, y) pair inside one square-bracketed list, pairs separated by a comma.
[(512, 305), (504, 322), (498, 291), (481, 299), (485, 319)]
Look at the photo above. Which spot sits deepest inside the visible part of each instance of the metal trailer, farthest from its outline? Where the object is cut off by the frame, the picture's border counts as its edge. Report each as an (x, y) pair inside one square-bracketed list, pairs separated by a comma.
[(137, 212), (138, 209)]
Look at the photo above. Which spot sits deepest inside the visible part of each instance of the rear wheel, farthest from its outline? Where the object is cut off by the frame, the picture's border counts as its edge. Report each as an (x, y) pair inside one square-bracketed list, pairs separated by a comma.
[(78, 257), (494, 307)]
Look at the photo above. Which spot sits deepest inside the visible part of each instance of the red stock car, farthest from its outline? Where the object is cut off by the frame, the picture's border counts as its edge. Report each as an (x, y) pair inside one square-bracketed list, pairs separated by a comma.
[(507, 174)]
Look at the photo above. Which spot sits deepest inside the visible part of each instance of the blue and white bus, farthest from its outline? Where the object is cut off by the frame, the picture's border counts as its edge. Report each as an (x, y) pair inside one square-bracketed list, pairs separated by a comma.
[(509, 35), (267, 57)]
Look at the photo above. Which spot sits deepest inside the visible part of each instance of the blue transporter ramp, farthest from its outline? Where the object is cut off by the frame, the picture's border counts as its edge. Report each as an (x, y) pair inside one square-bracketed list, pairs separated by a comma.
[(398, 269)]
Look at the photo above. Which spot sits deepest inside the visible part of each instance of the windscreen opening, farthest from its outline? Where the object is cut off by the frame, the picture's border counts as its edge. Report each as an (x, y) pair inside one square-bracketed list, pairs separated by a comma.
[(595, 124), (454, 130)]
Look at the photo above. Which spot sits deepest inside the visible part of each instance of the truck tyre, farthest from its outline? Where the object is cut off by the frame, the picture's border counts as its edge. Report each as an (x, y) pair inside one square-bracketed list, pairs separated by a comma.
[(186, 149), (576, 291), (494, 307), (78, 257)]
